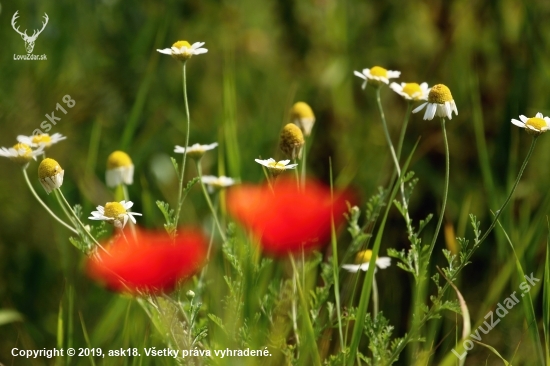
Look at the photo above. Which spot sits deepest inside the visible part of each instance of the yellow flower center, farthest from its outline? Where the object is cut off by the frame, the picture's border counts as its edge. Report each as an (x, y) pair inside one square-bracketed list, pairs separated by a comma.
[(440, 94), (43, 138), (24, 151), (114, 210), (363, 256), (118, 159), (379, 71), (180, 44), (301, 110), (48, 168), (413, 90), (277, 165), (536, 123)]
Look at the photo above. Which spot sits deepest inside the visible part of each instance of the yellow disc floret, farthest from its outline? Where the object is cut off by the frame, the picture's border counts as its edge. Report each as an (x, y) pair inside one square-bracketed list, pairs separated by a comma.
[(292, 140), (379, 71), (44, 139), (537, 123), (114, 210), (440, 94), (363, 256), (301, 110), (180, 44), (413, 90), (48, 168), (24, 153), (118, 159)]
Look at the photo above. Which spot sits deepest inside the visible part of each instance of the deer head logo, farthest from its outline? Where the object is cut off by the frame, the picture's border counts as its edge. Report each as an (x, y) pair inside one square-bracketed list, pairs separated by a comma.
[(29, 40)]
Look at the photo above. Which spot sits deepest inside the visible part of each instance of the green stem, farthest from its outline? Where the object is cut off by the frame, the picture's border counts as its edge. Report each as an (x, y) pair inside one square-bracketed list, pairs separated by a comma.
[(404, 130), (303, 178), (305, 314), (395, 161), (182, 172), (60, 194), (44, 205), (464, 262), (445, 189), (209, 202)]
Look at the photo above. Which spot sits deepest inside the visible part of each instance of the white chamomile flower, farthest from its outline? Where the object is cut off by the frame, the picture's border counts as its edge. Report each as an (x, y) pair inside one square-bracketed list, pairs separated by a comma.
[(182, 50), (276, 167), (535, 125), (21, 153), (440, 103), (43, 139), (302, 116), (411, 91), (362, 260), (376, 75), (120, 169), (115, 213), (195, 151), (213, 183), (50, 174)]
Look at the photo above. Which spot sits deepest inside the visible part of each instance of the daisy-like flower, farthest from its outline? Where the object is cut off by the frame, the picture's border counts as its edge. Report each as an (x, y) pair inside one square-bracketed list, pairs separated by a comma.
[(411, 91), (376, 75), (291, 141), (116, 213), (120, 169), (214, 183), (183, 51), (362, 260), (44, 139), (148, 262), (535, 125), (195, 151), (21, 153), (276, 167), (440, 103), (302, 116), (50, 174)]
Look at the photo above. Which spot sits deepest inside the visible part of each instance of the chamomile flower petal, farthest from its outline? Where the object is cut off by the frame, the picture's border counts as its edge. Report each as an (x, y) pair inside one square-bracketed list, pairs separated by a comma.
[(195, 151), (377, 75), (183, 51), (120, 169), (362, 260), (44, 140), (440, 103), (535, 125), (21, 153), (276, 167), (115, 213)]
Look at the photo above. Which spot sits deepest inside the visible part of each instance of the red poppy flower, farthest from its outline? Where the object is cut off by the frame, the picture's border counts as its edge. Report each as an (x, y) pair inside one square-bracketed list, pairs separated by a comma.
[(287, 219), (150, 262)]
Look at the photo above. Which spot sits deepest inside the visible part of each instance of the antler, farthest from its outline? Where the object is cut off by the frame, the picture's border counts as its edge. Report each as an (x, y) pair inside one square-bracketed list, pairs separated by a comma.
[(13, 19), (34, 34)]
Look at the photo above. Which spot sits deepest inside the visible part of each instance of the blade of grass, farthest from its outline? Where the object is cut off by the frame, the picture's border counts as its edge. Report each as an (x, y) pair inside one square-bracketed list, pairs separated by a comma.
[(367, 283), (86, 338), (527, 304), (546, 299)]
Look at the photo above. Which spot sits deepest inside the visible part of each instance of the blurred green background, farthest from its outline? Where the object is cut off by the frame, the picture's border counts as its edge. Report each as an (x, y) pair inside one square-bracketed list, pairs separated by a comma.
[(262, 57)]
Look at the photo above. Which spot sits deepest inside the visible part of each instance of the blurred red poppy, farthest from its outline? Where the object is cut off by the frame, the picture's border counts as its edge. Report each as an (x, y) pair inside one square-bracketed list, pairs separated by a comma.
[(151, 262), (287, 219)]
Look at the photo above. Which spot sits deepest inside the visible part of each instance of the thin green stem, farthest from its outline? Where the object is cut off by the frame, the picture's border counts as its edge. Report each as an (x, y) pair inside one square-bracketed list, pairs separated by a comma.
[(184, 159), (445, 189), (60, 194), (374, 298), (412, 334), (44, 205), (404, 130), (395, 161), (209, 202), (305, 314)]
